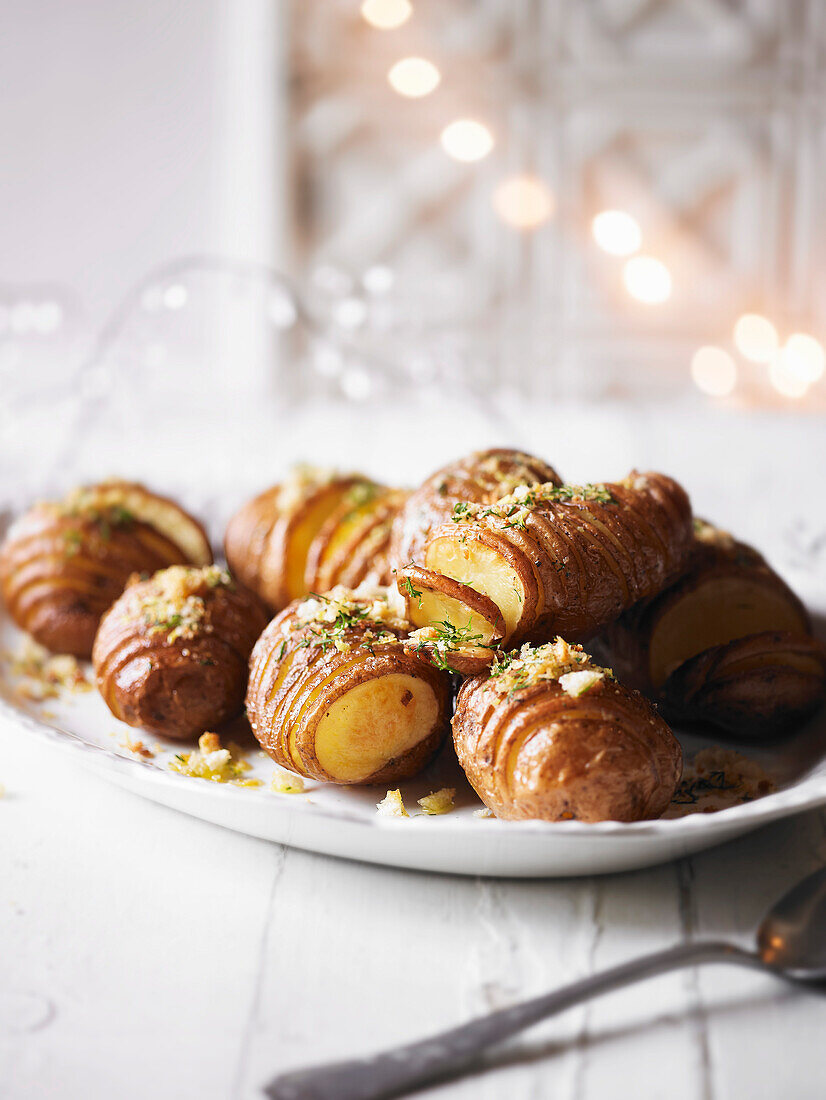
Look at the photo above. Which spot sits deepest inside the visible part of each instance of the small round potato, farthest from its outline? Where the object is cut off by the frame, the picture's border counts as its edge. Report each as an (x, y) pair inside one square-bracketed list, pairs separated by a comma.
[(171, 654), (65, 562), (548, 735), (334, 696)]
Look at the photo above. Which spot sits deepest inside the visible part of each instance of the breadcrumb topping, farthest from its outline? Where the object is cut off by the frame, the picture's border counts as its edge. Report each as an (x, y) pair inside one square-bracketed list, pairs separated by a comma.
[(568, 664), (300, 481), (517, 505), (173, 602), (439, 802), (214, 762), (710, 535), (392, 805), (342, 610)]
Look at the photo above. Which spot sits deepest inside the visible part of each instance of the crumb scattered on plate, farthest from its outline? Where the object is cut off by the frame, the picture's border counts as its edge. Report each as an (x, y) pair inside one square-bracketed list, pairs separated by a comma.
[(438, 802), (45, 675), (715, 779), (214, 762), (392, 805), (285, 782), (138, 748)]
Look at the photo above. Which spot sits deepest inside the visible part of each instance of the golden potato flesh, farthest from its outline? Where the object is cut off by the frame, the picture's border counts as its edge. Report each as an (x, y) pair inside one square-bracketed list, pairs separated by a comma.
[(334, 696), (563, 559)]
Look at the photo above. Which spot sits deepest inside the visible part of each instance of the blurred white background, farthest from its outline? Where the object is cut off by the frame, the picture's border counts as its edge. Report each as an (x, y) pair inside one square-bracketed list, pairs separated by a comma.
[(487, 205)]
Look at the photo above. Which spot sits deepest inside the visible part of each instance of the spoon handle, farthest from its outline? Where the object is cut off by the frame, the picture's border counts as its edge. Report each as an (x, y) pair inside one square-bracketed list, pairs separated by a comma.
[(397, 1071)]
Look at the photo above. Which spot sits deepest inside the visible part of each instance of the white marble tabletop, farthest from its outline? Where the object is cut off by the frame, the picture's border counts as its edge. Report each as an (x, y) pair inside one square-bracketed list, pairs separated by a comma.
[(147, 954)]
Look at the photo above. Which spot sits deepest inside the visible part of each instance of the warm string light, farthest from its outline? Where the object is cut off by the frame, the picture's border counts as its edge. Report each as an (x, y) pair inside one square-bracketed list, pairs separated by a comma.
[(804, 356), (755, 337), (523, 202), (466, 140), (647, 279), (714, 371), (386, 15), (784, 376), (616, 232), (414, 77)]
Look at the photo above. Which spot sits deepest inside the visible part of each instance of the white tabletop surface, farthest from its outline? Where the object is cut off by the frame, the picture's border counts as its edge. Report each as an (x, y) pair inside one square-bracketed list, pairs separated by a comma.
[(147, 954)]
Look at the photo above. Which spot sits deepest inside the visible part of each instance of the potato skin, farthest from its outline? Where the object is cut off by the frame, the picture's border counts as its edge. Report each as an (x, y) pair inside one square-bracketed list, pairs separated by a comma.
[(758, 685), (60, 572), (480, 478), (605, 755), (177, 687), (260, 538), (294, 682), (754, 687), (581, 562)]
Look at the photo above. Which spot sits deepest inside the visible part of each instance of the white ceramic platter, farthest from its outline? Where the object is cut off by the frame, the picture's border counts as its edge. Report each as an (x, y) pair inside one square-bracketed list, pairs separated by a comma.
[(343, 821)]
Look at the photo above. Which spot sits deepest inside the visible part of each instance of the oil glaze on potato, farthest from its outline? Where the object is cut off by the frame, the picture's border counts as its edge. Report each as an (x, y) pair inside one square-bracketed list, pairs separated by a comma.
[(553, 560), (171, 654), (64, 562), (315, 530), (479, 478), (548, 735), (333, 695), (728, 644)]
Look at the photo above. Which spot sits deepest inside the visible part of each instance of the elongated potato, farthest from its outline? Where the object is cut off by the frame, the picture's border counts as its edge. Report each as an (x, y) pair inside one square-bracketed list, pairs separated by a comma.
[(551, 559), (171, 653), (333, 695), (729, 643), (547, 734), (64, 562), (479, 478), (315, 530)]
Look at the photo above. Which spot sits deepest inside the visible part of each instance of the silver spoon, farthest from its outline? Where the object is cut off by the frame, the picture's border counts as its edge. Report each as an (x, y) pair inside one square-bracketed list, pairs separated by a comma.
[(791, 943)]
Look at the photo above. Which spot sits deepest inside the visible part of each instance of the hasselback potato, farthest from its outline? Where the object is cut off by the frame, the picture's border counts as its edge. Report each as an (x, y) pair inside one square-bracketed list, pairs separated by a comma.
[(729, 643), (171, 653), (551, 559), (546, 733), (64, 562), (479, 478), (333, 696), (313, 531)]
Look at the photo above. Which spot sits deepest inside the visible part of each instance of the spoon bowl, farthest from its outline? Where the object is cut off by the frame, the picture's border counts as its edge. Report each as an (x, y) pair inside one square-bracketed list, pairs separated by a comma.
[(792, 936)]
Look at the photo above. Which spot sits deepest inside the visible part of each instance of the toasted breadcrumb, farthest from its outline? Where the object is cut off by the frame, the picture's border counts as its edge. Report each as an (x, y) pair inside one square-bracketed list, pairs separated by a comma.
[(577, 683), (138, 748), (439, 802), (557, 660), (515, 507), (392, 805), (715, 779), (44, 675), (285, 782), (302, 480), (214, 762), (173, 603), (483, 812)]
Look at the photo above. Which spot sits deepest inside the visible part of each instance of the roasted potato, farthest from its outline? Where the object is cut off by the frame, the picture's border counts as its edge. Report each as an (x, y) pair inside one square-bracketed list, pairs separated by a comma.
[(64, 562), (479, 478), (171, 654), (729, 644), (550, 559), (315, 530), (333, 695), (546, 733)]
